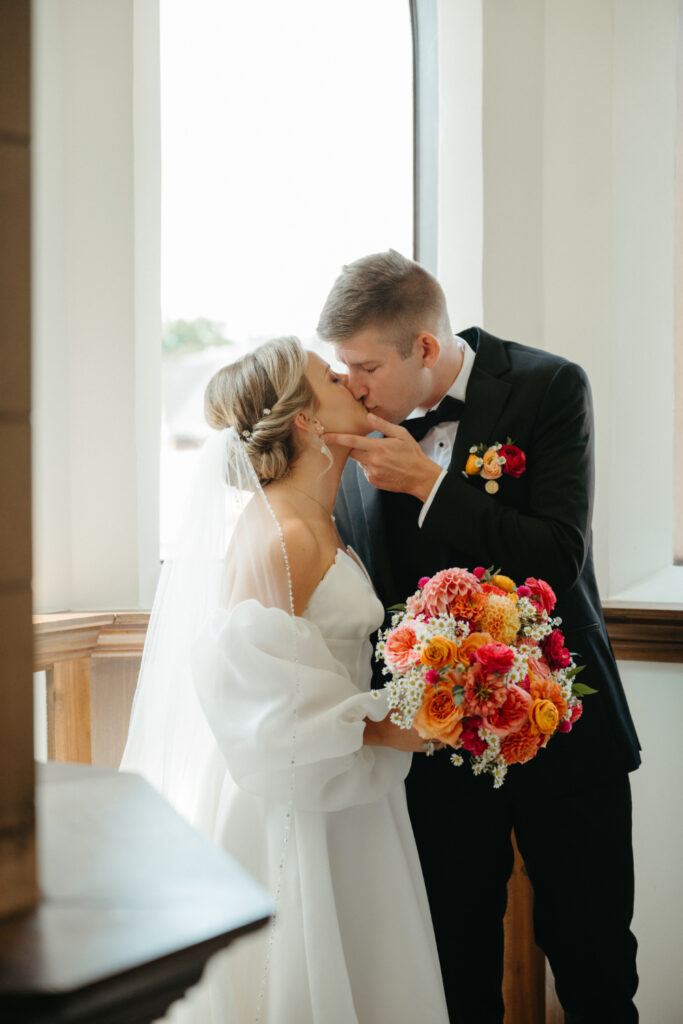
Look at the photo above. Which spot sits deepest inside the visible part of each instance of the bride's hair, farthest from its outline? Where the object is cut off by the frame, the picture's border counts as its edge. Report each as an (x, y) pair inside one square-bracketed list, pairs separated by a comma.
[(259, 395)]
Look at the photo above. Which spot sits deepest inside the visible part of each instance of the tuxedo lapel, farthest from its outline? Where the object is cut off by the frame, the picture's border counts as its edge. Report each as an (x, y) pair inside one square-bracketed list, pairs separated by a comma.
[(486, 396), (363, 511), (377, 555)]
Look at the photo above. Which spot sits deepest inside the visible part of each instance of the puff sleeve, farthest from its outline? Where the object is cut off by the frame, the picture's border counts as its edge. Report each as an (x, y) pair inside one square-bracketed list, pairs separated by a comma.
[(286, 714)]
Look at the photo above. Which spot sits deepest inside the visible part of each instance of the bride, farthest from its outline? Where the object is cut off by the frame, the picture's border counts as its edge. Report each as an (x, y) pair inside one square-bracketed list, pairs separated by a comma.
[(254, 715)]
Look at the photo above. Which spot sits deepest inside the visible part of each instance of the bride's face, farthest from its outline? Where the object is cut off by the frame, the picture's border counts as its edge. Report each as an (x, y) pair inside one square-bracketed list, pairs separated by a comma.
[(338, 410)]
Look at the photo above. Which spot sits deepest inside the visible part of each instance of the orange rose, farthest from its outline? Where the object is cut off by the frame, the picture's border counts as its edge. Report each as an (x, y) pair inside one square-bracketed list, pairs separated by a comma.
[(548, 689), (543, 716), (438, 652), (472, 466), (440, 718), (492, 468), (469, 645)]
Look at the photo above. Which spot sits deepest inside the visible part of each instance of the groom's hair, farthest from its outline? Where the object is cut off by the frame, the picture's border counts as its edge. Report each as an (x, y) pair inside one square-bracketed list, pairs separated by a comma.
[(389, 292)]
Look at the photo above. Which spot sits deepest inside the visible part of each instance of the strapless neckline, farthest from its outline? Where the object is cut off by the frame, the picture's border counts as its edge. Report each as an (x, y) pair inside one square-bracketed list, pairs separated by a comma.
[(354, 560)]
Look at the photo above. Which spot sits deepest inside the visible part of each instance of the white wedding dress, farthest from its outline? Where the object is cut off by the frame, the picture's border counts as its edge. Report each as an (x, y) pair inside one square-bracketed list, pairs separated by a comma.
[(353, 940)]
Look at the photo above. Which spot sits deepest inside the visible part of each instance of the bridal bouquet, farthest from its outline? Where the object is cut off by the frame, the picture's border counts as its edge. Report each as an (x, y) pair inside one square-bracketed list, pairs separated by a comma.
[(478, 664)]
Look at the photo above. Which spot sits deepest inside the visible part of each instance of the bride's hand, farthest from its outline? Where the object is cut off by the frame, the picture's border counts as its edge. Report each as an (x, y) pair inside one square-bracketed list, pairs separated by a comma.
[(386, 734)]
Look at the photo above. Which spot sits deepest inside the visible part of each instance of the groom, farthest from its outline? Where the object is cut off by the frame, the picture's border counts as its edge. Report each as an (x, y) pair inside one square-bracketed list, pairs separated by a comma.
[(409, 510)]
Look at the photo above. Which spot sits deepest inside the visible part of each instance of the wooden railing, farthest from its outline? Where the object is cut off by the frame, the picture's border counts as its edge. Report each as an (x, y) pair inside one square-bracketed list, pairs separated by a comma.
[(92, 661), (646, 634)]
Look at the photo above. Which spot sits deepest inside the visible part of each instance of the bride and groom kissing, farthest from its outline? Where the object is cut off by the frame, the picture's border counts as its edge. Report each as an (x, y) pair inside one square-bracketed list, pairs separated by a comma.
[(390, 900)]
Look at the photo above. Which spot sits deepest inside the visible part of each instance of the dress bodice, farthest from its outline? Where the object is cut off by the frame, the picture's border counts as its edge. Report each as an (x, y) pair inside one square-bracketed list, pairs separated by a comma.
[(347, 611)]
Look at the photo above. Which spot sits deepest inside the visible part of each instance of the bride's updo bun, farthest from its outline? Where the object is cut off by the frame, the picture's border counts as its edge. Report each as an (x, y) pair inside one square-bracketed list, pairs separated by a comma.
[(259, 395)]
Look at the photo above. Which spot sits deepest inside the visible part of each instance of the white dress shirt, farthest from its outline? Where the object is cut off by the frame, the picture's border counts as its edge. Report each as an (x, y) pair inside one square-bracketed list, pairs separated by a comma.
[(438, 442)]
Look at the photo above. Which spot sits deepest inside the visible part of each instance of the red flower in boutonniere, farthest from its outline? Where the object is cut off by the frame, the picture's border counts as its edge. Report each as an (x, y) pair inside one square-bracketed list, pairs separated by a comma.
[(515, 459), (491, 461)]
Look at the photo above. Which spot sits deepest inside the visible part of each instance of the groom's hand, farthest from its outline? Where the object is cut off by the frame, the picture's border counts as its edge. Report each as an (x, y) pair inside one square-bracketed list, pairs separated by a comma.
[(394, 462)]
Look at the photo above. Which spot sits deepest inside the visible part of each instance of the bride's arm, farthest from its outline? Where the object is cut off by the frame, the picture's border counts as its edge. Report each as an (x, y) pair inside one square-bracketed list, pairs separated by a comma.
[(286, 714), (385, 734)]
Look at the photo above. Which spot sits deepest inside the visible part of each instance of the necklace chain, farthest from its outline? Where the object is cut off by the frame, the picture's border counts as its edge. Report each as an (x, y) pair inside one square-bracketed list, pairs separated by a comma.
[(307, 495)]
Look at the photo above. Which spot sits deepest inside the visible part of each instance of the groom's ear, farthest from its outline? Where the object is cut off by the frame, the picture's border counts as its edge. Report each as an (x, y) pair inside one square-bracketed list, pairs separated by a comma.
[(429, 348)]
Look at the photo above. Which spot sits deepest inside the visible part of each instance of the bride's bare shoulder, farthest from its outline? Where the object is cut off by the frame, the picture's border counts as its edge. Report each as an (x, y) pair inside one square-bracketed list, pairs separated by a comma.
[(306, 557)]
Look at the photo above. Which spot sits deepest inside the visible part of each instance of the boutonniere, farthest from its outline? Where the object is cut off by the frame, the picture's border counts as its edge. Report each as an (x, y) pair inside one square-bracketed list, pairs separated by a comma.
[(490, 461)]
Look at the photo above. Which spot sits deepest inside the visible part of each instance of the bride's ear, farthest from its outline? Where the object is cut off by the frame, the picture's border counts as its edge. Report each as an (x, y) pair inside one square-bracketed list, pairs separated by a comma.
[(303, 421)]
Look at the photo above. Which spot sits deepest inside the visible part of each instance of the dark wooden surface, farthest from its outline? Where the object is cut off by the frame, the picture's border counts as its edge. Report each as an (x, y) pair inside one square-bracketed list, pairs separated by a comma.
[(646, 634), (133, 904)]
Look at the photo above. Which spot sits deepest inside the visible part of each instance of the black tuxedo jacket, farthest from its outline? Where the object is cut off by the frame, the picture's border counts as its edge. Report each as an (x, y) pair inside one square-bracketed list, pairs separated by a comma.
[(536, 525)]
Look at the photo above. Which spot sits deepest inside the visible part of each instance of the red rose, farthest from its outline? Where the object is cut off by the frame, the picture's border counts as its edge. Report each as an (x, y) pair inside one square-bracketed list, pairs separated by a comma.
[(554, 650), (470, 738), (495, 657), (515, 459), (577, 711), (542, 594)]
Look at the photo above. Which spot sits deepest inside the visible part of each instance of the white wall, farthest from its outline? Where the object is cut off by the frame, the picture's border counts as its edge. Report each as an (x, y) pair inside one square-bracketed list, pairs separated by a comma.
[(579, 144), (460, 178), (574, 228), (96, 317), (655, 695)]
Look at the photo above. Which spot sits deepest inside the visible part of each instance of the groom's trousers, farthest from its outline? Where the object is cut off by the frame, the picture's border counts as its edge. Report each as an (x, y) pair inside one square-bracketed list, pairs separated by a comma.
[(577, 851)]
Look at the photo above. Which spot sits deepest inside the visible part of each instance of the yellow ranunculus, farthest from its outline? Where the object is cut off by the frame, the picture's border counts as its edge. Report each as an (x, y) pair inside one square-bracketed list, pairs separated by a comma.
[(505, 583), (544, 716), (473, 465)]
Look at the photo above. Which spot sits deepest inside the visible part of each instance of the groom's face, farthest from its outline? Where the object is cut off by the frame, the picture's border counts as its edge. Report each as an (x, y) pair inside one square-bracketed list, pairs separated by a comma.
[(387, 384)]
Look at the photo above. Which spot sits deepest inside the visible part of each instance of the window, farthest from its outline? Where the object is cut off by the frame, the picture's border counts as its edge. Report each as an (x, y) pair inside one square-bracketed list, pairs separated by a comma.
[(287, 150)]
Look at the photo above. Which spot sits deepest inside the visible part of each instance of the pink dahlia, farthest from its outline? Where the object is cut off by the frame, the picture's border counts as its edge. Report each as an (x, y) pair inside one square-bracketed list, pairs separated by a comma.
[(484, 692), (400, 647), (445, 587)]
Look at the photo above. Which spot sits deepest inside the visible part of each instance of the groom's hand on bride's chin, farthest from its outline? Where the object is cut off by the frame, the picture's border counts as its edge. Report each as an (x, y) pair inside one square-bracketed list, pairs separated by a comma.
[(394, 462)]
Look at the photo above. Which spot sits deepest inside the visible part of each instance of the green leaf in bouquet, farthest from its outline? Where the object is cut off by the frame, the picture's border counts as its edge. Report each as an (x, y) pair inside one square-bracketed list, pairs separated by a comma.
[(458, 695), (397, 608), (574, 671), (582, 689)]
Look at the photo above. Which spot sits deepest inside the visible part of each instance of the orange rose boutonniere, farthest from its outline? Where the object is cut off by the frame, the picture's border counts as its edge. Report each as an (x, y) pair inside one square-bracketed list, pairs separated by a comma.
[(491, 461)]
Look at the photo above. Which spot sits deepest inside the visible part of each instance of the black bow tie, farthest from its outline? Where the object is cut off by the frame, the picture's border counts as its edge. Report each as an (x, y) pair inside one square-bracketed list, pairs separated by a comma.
[(447, 411)]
